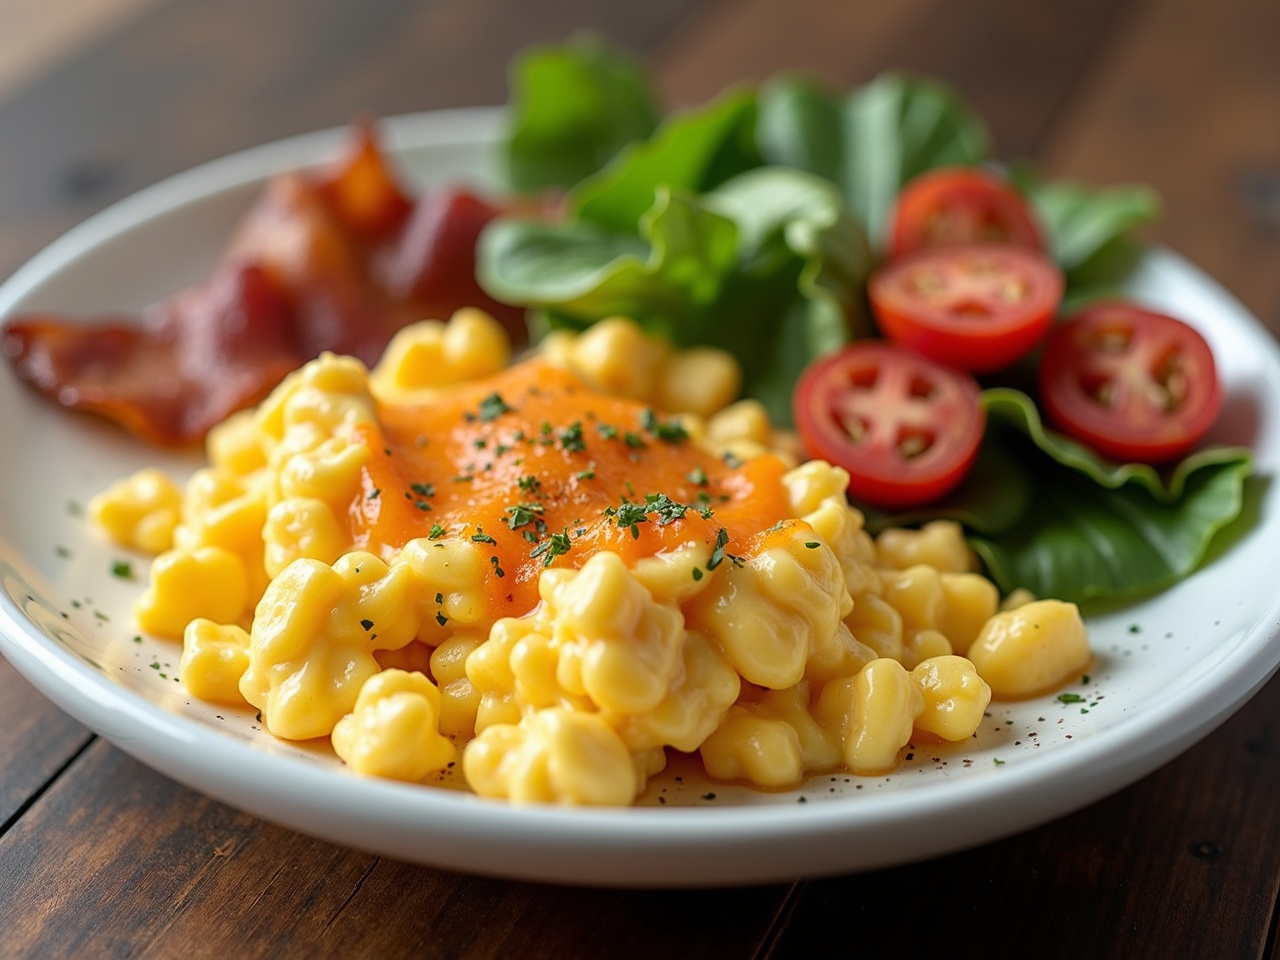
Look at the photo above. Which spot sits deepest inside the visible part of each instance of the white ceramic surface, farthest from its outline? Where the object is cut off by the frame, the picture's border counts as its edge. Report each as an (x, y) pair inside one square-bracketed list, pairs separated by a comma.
[(1168, 670)]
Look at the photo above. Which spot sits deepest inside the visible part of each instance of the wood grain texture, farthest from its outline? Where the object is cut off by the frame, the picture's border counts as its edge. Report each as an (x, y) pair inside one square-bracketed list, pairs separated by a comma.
[(36, 741), (977, 46), (1188, 100), (37, 35), (192, 81), (112, 839), (1166, 868)]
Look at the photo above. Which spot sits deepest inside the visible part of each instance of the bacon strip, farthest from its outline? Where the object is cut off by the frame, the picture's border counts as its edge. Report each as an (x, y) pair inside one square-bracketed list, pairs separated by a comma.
[(335, 261)]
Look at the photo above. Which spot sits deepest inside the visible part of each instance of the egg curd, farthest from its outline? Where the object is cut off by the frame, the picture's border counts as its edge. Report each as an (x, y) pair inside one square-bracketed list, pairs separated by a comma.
[(555, 572)]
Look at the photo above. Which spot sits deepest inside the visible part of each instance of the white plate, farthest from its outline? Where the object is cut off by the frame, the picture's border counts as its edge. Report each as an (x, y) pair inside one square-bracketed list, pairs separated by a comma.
[(1169, 670)]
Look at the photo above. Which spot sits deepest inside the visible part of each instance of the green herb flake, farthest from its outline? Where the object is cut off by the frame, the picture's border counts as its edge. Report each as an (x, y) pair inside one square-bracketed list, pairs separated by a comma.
[(497, 567), (812, 544), (607, 430), (698, 477), (122, 569), (481, 537), (437, 531), (1070, 698), (522, 514), (367, 624), (492, 407), (697, 573), (374, 494), (557, 545), (717, 555), (666, 509), (668, 431), (571, 438)]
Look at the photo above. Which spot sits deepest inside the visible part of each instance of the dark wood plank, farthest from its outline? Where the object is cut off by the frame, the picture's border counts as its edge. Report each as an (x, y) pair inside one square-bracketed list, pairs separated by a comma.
[(1187, 100), (112, 840), (1183, 864), (36, 741), (978, 45)]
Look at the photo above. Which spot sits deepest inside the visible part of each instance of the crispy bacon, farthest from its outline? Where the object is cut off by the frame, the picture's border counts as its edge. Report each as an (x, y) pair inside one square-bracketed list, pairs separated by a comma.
[(338, 260)]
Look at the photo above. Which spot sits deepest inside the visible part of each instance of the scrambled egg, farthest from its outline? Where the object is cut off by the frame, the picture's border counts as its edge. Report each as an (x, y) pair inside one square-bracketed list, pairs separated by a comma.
[(557, 571)]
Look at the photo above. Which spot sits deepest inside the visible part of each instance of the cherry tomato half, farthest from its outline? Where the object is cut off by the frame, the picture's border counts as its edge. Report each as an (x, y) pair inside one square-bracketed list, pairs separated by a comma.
[(975, 307), (906, 428), (961, 205), (1133, 384)]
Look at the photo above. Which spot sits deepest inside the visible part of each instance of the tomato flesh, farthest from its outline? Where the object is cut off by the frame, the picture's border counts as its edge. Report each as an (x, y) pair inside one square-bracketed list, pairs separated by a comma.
[(906, 429), (1134, 384), (978, 307), (954, 206)]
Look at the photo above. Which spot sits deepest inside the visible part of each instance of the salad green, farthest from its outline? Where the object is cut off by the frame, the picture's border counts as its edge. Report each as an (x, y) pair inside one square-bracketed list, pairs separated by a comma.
[(753, 221)]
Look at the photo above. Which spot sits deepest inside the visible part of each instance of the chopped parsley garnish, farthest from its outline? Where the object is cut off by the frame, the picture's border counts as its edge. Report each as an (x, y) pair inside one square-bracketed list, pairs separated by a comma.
[(571, 438), (698, 477), (1070, 698), (436, 533), (529, 483), (374, 493), (717, 555), (492, 407), (668, 431), (496, 568), (122, 569), (522, 514), (481, 537), (812, 544), (667, 510), (633, 440), (697, 573), (628, 515), (587, 474), (607, 430), (367, 624), (554, 546)]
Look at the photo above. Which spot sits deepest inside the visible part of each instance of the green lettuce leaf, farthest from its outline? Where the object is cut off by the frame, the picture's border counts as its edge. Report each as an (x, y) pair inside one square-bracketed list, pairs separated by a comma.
[(572, 107), (692, 152), (874, 140), (1047, 514), (1090, 231), (578, 273), (770, 265)]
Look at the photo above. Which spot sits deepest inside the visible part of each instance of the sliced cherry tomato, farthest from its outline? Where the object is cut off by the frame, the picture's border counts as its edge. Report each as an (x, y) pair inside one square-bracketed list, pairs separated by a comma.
[(976, 307), (961, 205), (906, 428), (1133, 384)]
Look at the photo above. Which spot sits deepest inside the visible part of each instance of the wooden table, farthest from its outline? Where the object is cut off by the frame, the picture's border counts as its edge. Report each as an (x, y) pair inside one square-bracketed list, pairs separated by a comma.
[(99, 856)]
